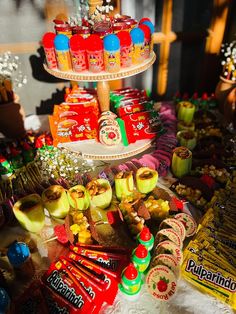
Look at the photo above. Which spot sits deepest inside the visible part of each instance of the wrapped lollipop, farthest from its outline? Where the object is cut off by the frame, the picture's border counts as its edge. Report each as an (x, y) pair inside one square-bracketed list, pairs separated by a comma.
[(125, 48), (78, 53), (55, 200), (95, 53), (124, 184), (137, 36), (78, 197), (112, 53), (186, 111), (181, 161), (48, 45), (61, 43), (30, 213)]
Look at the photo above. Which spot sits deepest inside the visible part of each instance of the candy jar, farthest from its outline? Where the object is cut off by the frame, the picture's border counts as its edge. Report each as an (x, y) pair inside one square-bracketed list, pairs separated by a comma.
[(147, 40), (125, 48), (94, 45), (137, 36), (61, 43), (141, 258), (48, 45), (112, 53), (20, 258), (131, 282), (146, 238), (78, 53)]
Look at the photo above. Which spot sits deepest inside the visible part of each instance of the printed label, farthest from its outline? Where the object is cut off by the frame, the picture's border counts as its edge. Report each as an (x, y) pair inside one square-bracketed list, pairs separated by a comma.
[(188, 222), (176, 225), (169, 234)]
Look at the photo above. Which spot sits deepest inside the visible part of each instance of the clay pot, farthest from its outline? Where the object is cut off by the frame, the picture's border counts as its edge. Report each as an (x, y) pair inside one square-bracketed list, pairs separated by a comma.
[(12, 118), (223, 88), (230, 108)]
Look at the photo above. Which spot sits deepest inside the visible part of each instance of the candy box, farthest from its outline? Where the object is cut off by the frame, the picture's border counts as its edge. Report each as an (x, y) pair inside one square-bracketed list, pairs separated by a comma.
[(81, 127), (59, 279)]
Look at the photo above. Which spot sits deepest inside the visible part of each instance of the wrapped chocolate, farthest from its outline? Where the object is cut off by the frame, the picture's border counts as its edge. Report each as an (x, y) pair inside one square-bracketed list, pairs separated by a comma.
[(181, 161), (56, 202), (29, 212), (78, 197), (124, 184), (146, 179)]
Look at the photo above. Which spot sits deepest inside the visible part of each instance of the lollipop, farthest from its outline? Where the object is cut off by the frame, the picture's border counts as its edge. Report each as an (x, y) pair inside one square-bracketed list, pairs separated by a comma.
[(112, 53), (137, 36), (61, 43)]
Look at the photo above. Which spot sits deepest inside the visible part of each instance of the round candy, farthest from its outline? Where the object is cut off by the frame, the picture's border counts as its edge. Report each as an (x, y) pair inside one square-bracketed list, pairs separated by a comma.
[(150, 25), (61, 42), (17, 253), (48, 40), (111, 42), (137, 35), (4, 300)]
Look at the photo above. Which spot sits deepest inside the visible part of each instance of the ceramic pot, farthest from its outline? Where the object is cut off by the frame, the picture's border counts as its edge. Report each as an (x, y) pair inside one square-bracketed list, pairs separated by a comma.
[(12, 118), (223, 88), (230, 108)]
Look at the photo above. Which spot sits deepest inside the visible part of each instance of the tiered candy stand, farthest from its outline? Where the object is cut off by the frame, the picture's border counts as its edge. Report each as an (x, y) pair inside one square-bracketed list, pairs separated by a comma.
[(92, 149)]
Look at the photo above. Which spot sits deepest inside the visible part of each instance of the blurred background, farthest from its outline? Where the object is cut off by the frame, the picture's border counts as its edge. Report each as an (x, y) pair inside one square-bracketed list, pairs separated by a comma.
[(187, 42)]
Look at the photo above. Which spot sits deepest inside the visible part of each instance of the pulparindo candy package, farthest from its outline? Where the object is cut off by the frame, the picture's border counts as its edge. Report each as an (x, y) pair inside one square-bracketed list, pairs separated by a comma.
[(61, 281)]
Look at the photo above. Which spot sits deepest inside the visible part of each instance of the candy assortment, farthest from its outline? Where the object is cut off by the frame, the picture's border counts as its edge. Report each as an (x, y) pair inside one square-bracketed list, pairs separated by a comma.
[(106, 46)]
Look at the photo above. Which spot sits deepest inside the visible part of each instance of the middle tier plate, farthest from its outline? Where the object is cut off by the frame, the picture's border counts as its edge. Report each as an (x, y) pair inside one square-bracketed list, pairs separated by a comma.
[(87, 76), (96, 151)]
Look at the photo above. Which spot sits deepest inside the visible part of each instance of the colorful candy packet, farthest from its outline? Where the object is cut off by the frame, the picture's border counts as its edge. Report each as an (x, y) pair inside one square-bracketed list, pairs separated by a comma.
[(112, 261), (59, 279), (209, 278)]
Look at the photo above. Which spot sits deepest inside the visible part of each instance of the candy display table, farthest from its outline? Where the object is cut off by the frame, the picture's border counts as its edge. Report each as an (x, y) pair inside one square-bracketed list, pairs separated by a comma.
[(93, 149)]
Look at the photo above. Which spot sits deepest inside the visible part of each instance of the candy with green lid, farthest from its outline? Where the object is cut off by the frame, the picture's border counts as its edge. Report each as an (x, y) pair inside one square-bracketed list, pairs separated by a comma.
[(137, 36), (146, 238), (141, 258), (131, 281), (111, 53), (61, 43), (19, 257)]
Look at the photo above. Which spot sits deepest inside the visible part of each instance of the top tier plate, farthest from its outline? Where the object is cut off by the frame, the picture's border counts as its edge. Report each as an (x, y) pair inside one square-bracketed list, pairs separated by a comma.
[(87, 76)]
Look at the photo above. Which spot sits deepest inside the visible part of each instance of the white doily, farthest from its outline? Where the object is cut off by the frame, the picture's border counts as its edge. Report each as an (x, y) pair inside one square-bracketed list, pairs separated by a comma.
[(187, 300)]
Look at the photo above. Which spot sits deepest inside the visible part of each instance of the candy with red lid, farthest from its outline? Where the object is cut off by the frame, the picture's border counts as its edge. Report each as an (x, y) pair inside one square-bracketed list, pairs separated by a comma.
[(131, 281), (146, 238), (94, 45), (78, 53), (141, 258), (147, 39), (48, 45), (125, 48)]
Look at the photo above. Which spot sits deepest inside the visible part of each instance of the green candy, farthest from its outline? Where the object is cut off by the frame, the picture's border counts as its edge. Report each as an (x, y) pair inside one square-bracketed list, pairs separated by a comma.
[(78, 197), (146, 179)]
